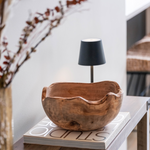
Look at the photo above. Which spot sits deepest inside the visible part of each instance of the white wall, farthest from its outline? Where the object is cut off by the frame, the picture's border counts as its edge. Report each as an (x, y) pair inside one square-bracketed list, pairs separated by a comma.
[(57, 57)]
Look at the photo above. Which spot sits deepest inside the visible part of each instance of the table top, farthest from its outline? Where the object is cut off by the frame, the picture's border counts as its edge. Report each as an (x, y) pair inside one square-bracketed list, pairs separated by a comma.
[(137, 106)]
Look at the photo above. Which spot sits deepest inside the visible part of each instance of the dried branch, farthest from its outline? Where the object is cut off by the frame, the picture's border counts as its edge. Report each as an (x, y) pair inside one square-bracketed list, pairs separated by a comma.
[(12, 62)]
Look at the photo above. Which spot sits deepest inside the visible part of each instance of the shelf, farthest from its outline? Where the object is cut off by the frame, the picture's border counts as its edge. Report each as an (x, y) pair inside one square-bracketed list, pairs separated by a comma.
[(134, 7)]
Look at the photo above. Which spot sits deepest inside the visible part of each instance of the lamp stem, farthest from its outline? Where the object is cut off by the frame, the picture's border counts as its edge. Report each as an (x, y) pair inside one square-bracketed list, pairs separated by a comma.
[(92, 80)]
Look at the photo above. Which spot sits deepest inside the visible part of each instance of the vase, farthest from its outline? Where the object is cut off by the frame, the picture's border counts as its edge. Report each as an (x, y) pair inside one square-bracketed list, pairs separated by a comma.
[(6, 139)]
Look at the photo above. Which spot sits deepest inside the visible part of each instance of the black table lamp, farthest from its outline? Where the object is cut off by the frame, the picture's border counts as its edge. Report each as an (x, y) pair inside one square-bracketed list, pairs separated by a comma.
[(91, 53)]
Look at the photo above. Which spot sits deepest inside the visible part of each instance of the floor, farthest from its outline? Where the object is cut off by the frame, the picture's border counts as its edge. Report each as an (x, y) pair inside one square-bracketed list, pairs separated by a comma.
[(132, 141)]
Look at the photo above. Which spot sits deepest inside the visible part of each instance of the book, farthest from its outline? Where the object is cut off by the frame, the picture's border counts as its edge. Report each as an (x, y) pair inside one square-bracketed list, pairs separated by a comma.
[(47, 133)]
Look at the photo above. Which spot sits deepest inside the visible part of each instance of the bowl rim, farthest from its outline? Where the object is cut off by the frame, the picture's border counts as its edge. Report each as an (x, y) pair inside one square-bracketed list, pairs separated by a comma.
[(99, 101)]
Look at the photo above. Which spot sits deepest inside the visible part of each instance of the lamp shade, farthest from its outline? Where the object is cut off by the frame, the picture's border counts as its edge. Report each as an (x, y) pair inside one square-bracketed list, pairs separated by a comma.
[(91, 52)]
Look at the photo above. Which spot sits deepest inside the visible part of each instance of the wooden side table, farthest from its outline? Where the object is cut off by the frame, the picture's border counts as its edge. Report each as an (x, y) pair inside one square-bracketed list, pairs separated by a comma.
[(138, 108)]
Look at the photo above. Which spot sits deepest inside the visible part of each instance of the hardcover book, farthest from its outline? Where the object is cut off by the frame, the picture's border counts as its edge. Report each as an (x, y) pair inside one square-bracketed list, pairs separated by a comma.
[(47, 133)]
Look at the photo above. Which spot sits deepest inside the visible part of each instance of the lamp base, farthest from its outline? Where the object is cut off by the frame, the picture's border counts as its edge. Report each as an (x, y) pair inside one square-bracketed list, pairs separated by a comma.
[(92, 80)]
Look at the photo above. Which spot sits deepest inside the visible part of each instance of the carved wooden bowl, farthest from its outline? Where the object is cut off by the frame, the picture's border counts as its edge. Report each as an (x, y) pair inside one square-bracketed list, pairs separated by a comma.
[(82, 106)]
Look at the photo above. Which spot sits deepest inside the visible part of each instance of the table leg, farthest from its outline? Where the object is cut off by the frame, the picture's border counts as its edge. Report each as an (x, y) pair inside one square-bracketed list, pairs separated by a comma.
[(143, 133)]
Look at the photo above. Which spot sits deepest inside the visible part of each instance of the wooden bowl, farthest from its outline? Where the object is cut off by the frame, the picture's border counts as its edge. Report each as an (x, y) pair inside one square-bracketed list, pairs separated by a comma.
[(82, 106)]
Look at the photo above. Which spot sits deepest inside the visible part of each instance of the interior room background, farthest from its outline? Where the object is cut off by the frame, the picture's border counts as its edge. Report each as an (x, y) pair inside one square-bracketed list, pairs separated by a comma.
[(136, 30), (56, 59)]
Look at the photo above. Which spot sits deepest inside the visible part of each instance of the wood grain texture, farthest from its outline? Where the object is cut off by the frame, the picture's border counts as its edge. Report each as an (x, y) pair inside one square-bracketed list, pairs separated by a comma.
[(82, 106), (6, 119), (138, 56), (40, 147), (20, 146), (68, 148), (143, 133)]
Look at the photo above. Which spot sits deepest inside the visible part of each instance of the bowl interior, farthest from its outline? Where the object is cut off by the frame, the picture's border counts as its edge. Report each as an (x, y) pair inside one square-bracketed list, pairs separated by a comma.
[(89, 91)]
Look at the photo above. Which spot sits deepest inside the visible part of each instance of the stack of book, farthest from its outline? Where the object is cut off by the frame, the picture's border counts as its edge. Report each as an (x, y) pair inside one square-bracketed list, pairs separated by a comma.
[(47, 133)]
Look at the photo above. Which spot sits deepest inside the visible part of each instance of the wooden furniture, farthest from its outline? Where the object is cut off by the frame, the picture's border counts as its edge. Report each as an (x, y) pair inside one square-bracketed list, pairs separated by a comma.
[(138, 56), (82, 106), (138, 108), (138, 63), (133, 8)]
